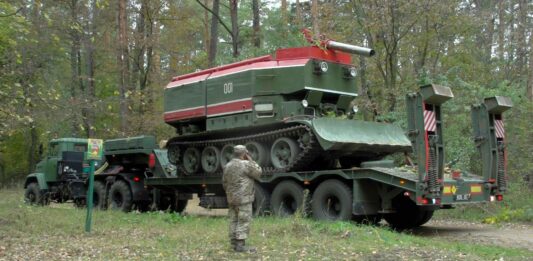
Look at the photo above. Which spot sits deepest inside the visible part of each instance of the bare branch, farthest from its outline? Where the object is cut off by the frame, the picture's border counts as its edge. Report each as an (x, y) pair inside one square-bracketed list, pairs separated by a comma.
[(217, 17)]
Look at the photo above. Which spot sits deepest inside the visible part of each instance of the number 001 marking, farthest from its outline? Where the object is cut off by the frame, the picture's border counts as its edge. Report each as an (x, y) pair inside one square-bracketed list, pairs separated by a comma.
[(228, 88)]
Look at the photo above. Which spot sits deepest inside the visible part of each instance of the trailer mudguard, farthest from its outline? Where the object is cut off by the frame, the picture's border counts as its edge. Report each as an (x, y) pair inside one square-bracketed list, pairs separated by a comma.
[(39, 177)]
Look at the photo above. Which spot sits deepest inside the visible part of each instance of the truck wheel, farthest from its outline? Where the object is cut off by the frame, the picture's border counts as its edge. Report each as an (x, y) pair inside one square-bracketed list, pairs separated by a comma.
[(287, 199), (99, 201), (261, 204), (169, 202), (33, 195), (284, 152), (211, 159), (408, 214), (332, 200), (258, 152), (120, 196)]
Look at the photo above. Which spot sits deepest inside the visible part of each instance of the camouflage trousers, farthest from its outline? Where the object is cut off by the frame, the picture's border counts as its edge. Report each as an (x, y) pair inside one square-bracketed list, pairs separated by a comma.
[(240, 217)]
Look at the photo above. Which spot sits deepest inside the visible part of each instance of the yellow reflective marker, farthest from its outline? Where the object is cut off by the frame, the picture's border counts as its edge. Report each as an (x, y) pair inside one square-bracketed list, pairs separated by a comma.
[(454, 189), (475, 189)]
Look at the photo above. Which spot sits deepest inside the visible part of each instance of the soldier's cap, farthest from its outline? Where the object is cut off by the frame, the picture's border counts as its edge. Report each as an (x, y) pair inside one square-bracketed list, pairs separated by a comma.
[(239, 150)]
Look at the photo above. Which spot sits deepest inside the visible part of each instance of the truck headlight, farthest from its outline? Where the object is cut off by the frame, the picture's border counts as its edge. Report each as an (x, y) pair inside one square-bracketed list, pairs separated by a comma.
[(305, 103), (350, 72), (355, 109), (320, 67)]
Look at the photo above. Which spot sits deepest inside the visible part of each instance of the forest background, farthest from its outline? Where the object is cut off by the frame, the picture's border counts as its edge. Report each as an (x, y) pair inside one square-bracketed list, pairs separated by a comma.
[(97, 68)]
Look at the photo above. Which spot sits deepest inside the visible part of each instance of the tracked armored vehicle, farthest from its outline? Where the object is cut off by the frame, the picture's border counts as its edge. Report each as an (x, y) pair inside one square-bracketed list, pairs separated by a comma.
[(284, 108)]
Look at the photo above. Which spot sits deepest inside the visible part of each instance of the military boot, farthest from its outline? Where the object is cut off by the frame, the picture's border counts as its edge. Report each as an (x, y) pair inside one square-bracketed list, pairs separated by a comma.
[(233, 243), (241, 247)]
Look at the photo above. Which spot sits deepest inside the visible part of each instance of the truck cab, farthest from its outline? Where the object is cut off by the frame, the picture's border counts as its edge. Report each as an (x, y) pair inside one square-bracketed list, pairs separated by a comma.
[(61, 174)]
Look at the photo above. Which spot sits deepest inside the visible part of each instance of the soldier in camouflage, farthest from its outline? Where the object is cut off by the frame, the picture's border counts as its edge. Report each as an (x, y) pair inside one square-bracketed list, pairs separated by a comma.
[(238, 181)]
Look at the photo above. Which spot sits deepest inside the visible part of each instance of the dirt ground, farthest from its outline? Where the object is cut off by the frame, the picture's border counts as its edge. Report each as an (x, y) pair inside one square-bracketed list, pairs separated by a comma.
[(507, 235)]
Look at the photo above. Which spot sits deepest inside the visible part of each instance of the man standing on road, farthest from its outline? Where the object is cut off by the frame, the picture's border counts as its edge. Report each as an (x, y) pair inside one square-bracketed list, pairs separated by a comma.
[(238, 181)]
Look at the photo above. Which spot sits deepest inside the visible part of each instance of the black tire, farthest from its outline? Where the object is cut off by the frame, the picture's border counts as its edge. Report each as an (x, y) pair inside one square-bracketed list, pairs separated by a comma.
[(372, 220), (169, 203), (33, 195), (408, 215), (191, 160), (261, 204), (332, 200), (288, 198), (120, 196), (99, 197)]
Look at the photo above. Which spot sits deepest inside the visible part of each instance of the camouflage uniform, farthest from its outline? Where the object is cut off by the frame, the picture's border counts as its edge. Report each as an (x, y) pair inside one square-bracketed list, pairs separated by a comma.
[(238, 182)]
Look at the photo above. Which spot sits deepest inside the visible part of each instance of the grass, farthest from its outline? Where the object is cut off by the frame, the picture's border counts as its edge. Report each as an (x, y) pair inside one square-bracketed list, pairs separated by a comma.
[(57, 232), (517, 206)]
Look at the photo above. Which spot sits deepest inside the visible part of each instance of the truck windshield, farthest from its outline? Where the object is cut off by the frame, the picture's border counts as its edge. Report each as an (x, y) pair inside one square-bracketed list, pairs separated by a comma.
[(80, 147)]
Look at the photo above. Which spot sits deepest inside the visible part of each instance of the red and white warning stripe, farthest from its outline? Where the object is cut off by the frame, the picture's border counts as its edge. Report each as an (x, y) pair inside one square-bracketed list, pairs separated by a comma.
[(430, 122), (500, 130)]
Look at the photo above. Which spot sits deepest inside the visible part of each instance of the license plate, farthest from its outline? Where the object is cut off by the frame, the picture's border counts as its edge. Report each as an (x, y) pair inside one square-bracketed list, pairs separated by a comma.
[(462, 197)]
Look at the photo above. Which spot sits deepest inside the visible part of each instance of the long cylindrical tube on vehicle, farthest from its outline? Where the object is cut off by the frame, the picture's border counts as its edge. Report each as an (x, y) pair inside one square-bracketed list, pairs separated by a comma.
[(353, 49)]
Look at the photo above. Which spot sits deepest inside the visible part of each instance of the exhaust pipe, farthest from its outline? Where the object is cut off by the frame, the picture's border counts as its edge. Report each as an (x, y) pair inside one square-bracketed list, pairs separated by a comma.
[(353, 49)]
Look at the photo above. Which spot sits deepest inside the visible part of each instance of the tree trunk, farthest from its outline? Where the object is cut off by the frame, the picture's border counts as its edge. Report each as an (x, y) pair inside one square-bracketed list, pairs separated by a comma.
[(234, 27), (299, 18), (521, 50), (314, 17), (76, 81), (256, 24), (284, 19), (529, 87), (123, 63), (90, 91), (213, 42), (501, 29), (206, 28)]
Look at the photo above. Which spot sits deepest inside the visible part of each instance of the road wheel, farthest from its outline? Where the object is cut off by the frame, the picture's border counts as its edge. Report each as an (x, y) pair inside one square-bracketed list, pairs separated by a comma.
[(287, 198), (332, 200), (33, 195), (99, 201), (258, 152), (261, 204), (226, 154), (120, 196), (284, 152), (211, 159), (408, 214), (191, 160)]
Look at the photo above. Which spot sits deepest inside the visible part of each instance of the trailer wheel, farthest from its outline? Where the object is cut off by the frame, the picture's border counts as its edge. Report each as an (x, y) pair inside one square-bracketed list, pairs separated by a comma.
[(33, 195), (288, 198), (99, 201), (284, 152), (120, 196), (169, 202), (261, 204), (408, 214), (332, 200)]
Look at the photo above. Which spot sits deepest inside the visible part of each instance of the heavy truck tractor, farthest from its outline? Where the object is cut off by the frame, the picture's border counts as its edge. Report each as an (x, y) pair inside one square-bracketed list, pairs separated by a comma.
[(61, 175), (118, 183), (293, 111)]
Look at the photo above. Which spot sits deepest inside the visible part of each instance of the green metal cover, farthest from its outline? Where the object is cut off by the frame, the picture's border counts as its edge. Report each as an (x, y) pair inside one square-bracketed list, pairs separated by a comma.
[(354, 135), (133, 143)]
